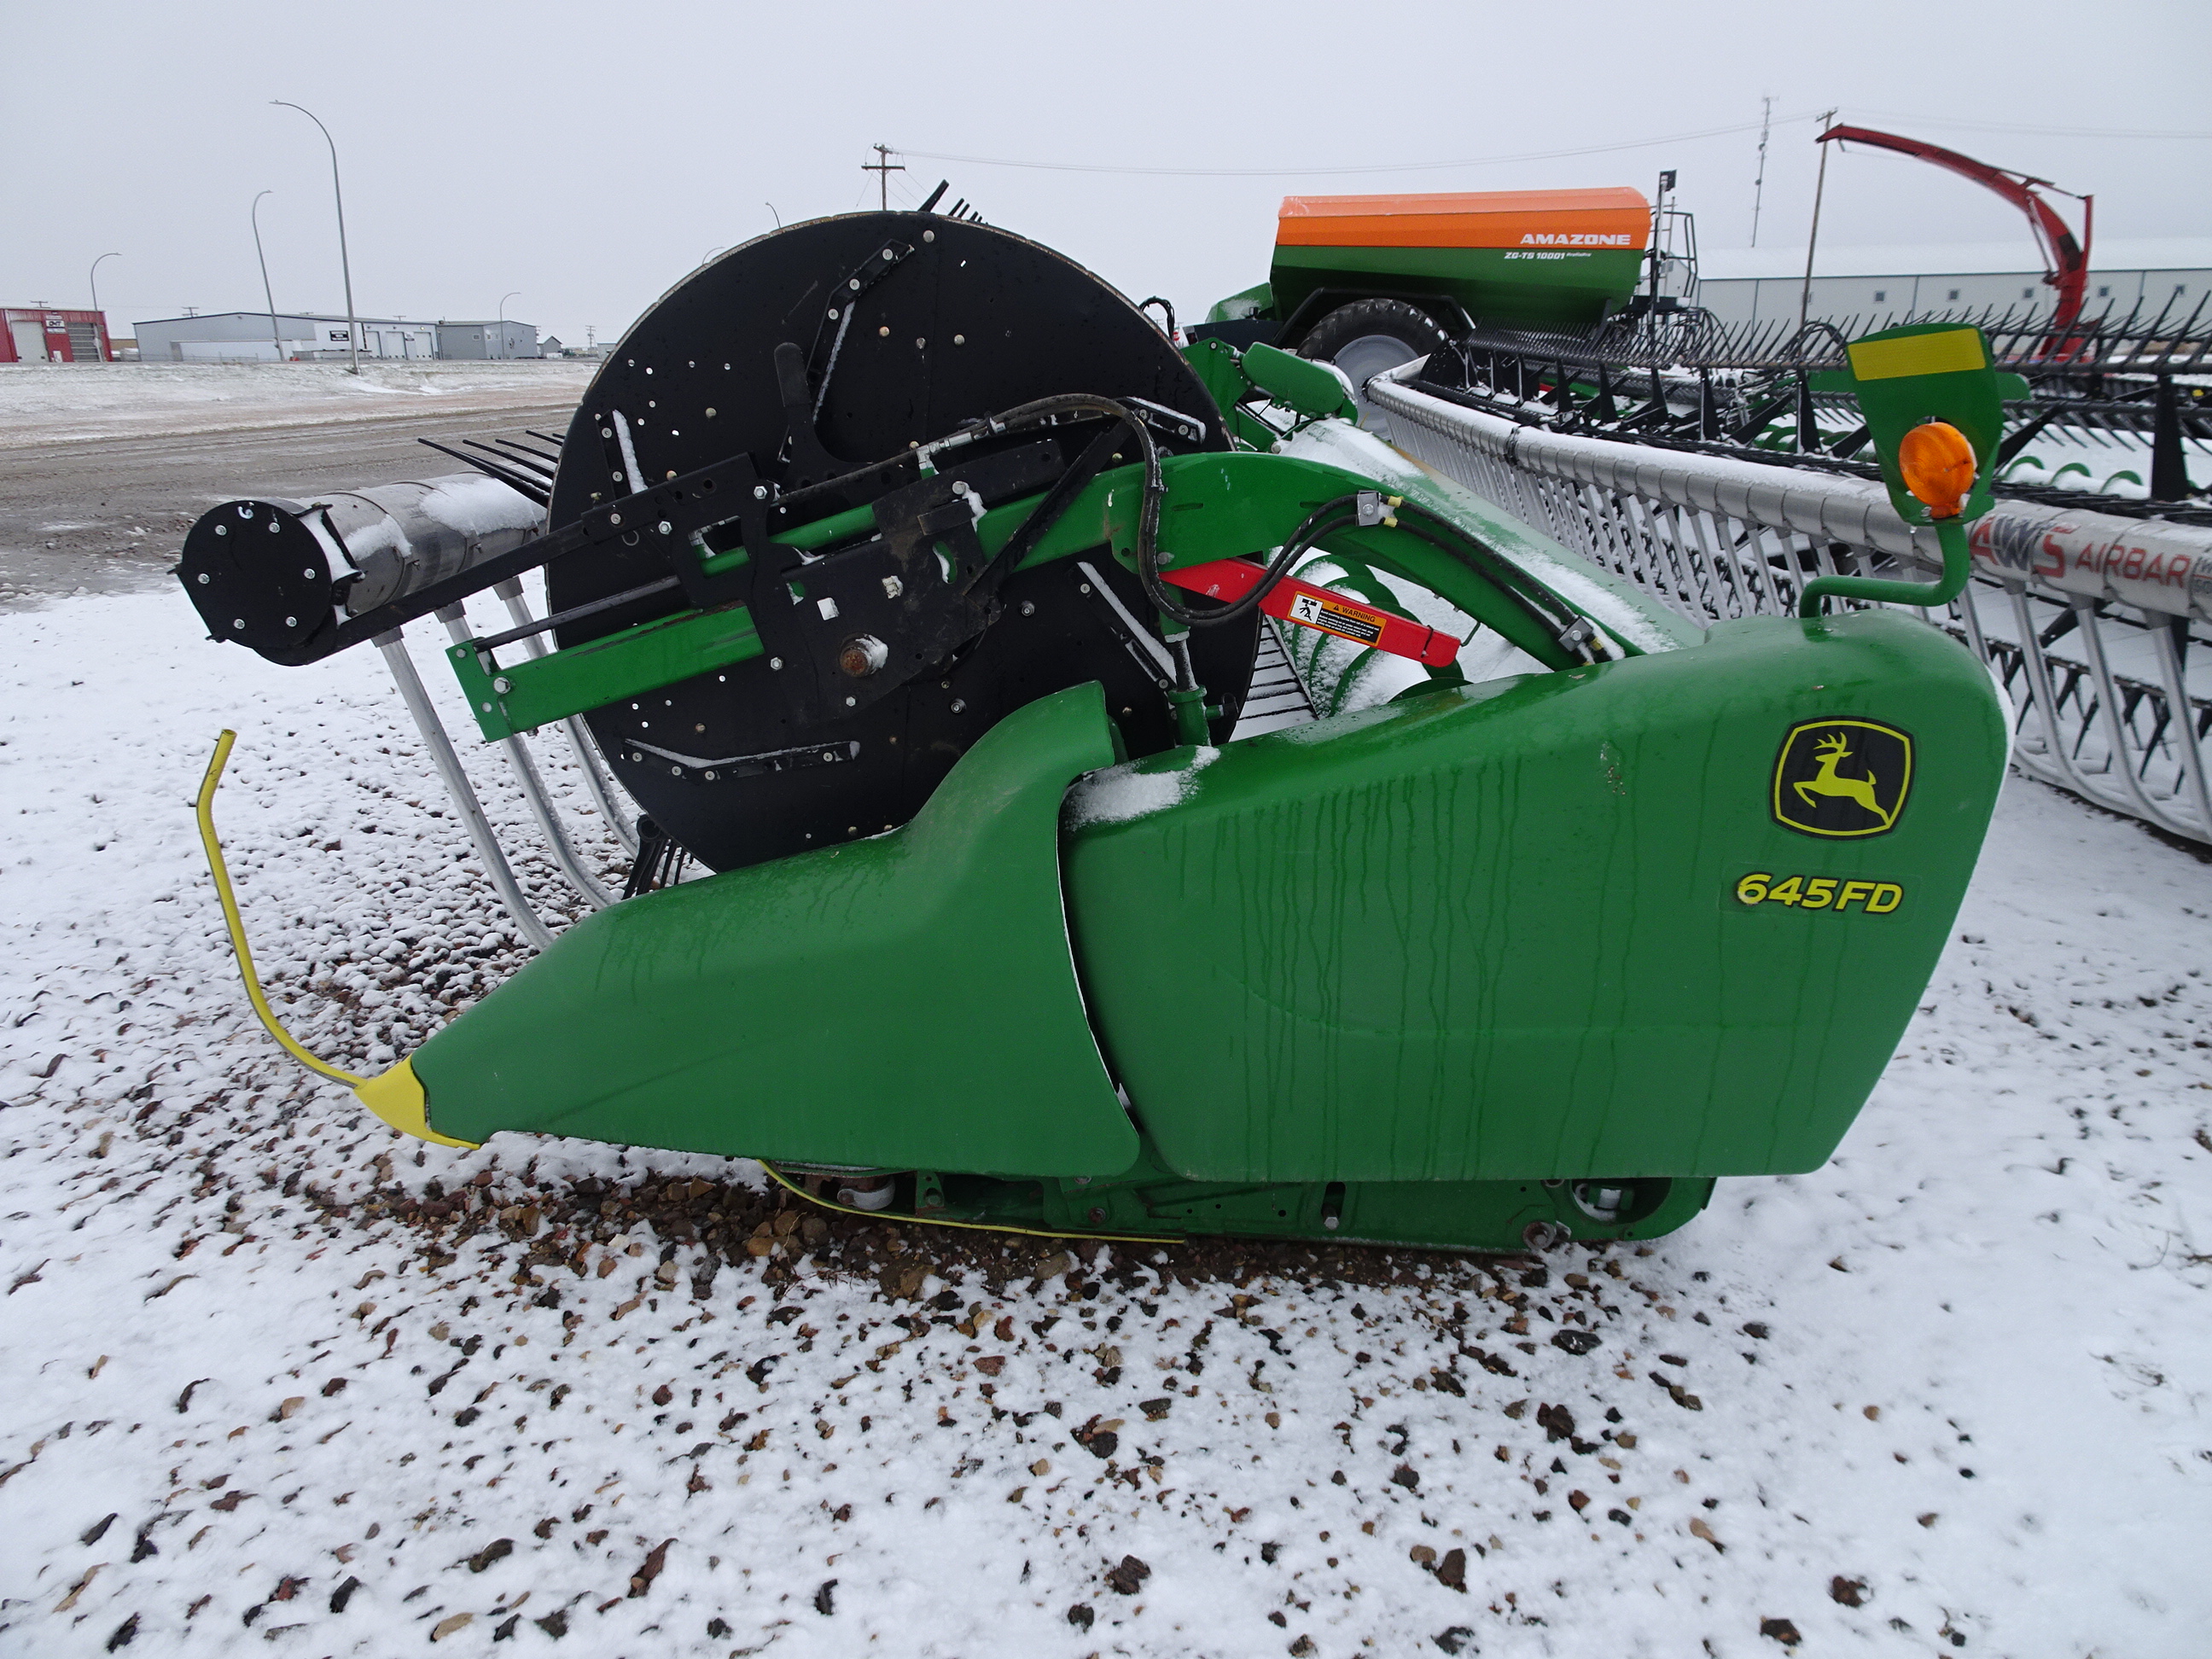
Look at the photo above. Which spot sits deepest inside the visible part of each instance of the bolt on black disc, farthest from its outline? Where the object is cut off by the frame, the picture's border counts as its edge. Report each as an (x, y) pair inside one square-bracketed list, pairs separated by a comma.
[(952, 320)]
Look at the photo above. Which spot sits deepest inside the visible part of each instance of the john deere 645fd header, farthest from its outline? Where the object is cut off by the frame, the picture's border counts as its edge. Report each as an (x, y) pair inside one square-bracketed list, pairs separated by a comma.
[(911, 580)]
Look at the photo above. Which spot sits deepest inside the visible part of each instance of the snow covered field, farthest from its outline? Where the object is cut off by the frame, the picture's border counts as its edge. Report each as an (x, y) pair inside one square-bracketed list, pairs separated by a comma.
[(77, 402), (276, 1379)]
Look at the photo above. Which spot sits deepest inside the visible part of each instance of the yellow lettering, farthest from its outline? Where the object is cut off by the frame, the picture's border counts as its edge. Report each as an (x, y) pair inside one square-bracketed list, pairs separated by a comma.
[(1819, 892)]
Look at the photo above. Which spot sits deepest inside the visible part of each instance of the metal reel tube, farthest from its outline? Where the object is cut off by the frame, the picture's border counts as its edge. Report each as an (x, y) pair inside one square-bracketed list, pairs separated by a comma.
[(2108, 708), (533, 788), (281, 577), (509, 593), (394, 645), (2170, 635)]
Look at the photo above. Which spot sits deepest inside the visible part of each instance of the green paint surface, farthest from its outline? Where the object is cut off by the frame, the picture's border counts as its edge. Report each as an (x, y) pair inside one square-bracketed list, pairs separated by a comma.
[(1513, 287), (907, 998), (1399, 967), (1218, 505), (1971, 397), (1466, 1215), (1490, 933), (1258, 300), (1299, 384), (542, 690)]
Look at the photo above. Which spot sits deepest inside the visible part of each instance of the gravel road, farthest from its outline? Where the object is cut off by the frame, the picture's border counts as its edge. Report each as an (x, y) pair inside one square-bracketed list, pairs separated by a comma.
[(96, 492)]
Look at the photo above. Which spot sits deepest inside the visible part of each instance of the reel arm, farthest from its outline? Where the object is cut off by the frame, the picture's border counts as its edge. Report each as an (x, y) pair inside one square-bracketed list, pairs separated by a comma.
[(1216, 506)]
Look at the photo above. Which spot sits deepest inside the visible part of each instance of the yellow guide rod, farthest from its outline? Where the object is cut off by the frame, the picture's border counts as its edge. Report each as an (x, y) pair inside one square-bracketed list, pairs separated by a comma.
[(203, 807)]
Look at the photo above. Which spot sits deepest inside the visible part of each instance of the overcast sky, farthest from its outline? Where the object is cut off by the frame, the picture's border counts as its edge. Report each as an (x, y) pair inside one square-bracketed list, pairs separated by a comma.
[(589, 155)]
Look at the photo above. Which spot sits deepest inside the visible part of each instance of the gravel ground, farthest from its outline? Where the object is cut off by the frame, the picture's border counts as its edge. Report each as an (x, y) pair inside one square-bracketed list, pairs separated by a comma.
[(279, 1379), (103, 468)]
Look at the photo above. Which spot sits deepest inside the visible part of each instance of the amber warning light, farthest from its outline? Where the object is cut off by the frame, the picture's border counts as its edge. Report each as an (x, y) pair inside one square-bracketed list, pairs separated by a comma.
[(1938, 465)]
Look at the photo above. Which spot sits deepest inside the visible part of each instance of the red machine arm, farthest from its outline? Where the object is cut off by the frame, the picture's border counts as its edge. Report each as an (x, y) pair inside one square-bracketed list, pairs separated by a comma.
[(2066, 261), (1293, 601)]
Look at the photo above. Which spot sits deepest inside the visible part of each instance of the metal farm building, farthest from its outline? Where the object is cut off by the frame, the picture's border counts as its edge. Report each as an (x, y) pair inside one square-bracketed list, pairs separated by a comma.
[(496, 341), (44, 334), (2145, 278), (224, 336)]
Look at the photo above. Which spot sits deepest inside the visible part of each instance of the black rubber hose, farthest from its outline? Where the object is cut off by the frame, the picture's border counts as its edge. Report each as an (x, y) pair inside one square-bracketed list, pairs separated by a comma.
[(1084, 402), (1315, 526), (1323, 520), (1155, 487)]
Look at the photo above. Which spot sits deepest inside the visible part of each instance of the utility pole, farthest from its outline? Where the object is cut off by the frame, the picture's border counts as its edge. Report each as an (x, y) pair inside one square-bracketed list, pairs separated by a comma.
[(1805, 292), (883, 166), (267, 293), (345, 265), (504, 298), (1758, 184)]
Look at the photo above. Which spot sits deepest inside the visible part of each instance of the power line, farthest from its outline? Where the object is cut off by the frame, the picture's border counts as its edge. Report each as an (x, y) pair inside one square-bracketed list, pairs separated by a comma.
[(1760, 126), (2015, 126), (1321, 172)]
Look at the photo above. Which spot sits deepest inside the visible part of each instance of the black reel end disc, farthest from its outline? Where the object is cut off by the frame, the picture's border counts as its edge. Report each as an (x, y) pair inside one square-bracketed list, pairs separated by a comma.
[(824, 351)]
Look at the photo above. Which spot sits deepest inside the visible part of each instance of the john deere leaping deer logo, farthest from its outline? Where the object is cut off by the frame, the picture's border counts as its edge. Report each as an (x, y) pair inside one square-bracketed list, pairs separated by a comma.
[(1833, 750), (1842, 778)]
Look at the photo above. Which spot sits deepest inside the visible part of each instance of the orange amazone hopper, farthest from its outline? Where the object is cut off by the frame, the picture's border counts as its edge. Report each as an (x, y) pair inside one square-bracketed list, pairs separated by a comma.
[(1559, 260)]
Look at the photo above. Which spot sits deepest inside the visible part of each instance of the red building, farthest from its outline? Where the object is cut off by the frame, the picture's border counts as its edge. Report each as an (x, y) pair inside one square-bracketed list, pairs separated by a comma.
[(42, 334)]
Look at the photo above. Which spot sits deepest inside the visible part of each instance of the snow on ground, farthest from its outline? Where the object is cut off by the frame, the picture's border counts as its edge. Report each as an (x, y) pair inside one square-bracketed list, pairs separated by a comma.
[(276, 1379), (60, 402)]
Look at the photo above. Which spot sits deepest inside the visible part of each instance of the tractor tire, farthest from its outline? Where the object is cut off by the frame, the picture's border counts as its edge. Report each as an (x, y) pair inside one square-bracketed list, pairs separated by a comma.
[(1391, 329), (1368, 336)]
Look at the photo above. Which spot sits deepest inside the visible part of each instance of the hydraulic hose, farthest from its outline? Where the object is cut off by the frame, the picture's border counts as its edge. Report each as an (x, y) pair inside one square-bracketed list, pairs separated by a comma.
[(1446, 537), (1325, 519), (1148, 511), (1301, 540), (203, 808)]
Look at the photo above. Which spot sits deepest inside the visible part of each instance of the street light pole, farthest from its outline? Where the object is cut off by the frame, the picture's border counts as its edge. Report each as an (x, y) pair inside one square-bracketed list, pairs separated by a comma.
[(266, 292), (345, 265), (514, 294), (93, 276)]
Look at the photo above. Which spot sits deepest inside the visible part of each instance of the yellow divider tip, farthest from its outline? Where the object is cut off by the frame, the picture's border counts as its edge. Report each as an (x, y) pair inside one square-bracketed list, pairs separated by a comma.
[(397, 1096)]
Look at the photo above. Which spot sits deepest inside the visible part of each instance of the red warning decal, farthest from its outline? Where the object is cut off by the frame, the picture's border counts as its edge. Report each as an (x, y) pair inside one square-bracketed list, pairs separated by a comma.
[(1308, 606)]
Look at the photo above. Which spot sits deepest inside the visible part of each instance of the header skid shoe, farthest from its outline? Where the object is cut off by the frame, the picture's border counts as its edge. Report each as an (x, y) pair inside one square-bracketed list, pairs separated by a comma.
[(905, 999)]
